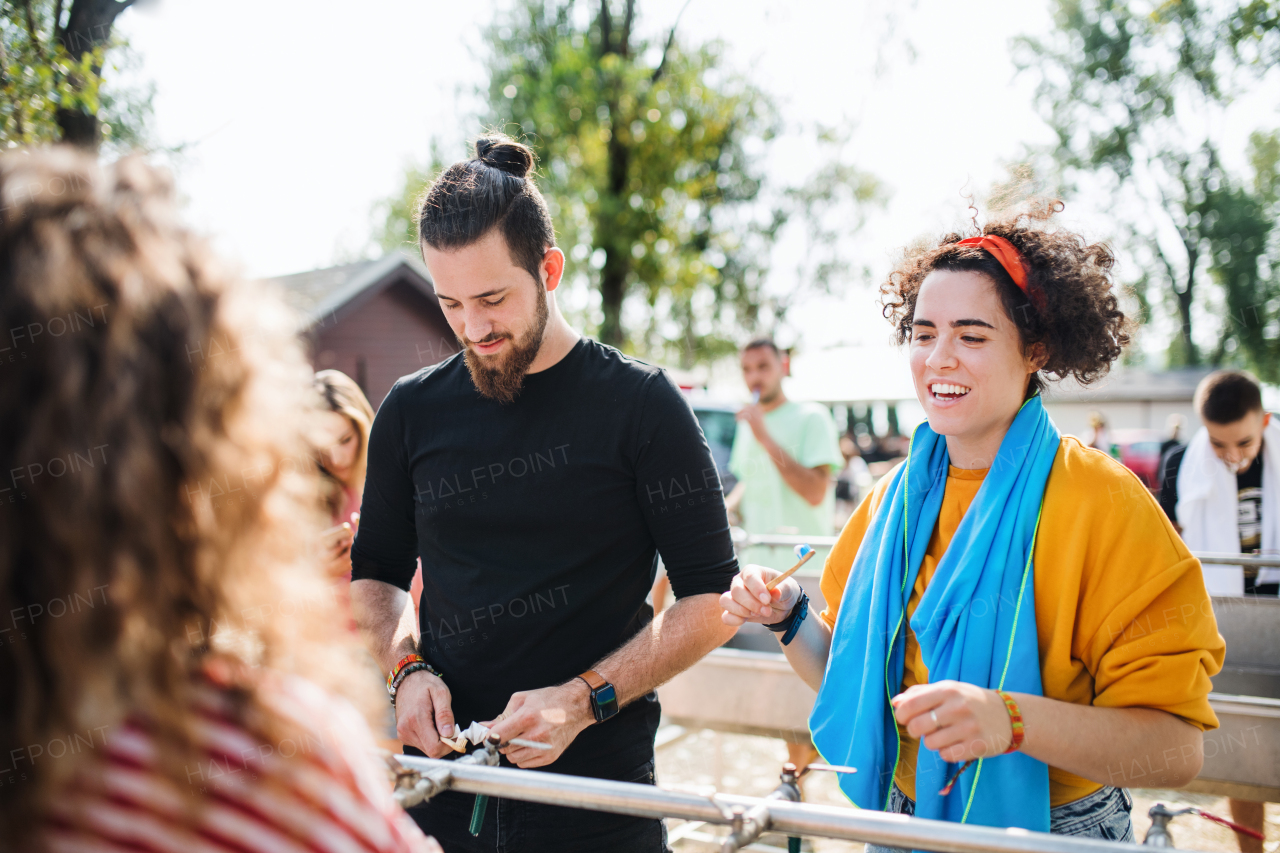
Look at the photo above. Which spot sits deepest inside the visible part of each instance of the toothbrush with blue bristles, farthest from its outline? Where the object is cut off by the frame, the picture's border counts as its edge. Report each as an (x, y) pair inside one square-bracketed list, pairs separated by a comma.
[(805, 553)]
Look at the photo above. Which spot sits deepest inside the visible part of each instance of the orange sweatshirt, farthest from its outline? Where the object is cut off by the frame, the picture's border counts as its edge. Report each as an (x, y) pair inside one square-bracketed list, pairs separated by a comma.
[(1122, 614)]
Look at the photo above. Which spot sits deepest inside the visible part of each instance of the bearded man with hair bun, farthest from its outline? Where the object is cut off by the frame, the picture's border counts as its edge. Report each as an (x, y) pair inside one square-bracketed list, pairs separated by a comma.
[(538, 475)]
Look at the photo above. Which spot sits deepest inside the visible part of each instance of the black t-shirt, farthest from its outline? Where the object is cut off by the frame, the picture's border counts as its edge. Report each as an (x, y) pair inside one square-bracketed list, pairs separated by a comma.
[(539, 524), (1248, 500), (1249, 505), (1248, 496)]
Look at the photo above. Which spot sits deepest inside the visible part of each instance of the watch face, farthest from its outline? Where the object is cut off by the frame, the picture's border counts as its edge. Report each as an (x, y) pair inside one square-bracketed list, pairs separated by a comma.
[(606, 702)]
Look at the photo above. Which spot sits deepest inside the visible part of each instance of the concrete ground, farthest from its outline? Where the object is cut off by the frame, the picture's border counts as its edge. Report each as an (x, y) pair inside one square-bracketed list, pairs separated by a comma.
[(708, 761)]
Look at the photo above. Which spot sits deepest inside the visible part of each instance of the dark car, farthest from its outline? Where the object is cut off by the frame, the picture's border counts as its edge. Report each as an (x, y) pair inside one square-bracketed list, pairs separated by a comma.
[(719, 423)]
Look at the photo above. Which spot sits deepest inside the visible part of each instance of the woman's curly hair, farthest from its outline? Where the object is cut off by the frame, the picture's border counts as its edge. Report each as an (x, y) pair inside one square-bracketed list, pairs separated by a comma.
[(159, 501), (1069, 307)]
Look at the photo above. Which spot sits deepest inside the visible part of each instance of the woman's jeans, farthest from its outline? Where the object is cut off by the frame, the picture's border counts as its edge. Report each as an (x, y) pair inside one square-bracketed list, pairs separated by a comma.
[(1104, 815)]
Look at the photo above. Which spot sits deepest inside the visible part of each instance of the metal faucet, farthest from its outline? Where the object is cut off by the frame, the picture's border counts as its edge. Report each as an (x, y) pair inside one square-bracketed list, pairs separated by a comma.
[(747, 826), (1158, 835), (413, 787)]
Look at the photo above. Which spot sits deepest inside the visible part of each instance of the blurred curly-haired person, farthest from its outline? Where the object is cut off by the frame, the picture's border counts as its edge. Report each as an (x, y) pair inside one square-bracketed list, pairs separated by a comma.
[(159, 560), (1033, 610)]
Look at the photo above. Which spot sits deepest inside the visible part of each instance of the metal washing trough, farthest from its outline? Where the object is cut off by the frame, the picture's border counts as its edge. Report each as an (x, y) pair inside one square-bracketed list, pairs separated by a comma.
[(749, 688)]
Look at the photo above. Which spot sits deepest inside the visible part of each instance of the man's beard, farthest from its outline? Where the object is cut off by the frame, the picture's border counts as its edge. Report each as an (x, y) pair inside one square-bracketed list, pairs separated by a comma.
[(502, 378)]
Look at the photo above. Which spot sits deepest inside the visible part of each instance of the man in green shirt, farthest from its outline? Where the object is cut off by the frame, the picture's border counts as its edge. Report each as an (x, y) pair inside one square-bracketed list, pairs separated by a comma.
[(785, 456)]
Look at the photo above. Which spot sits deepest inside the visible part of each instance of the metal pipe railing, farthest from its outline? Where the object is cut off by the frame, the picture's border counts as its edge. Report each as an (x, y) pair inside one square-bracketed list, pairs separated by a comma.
[(743, 539), (1237, 559), (788, 818)]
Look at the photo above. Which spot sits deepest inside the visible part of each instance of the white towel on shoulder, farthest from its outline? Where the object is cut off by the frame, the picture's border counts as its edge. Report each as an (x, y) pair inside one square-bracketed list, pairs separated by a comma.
[(1208, 511)]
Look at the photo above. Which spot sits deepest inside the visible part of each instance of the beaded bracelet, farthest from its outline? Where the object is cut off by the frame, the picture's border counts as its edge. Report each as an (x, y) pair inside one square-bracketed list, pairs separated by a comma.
[(404, 661), (416, 666), (1015, 719), (1019, 734)]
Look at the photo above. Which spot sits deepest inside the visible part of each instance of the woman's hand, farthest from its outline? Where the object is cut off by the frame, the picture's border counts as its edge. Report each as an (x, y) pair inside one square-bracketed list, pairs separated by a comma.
[(337, 552), (958, 721), (748, 601)]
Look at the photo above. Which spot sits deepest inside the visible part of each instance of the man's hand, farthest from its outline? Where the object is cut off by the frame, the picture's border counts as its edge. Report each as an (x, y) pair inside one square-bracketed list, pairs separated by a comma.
[(753, 416), (809, 483), (552, 715), (958, 721), (424, 712), (748, 601)]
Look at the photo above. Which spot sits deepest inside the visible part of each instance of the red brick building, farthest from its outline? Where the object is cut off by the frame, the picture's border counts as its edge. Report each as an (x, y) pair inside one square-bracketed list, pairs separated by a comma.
[(374, 320)]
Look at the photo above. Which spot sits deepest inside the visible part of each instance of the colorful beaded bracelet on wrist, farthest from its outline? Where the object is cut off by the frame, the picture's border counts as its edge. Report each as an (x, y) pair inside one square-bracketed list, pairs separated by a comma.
[(404, 661), (1019, 734), (417, 666), (1015, 719)]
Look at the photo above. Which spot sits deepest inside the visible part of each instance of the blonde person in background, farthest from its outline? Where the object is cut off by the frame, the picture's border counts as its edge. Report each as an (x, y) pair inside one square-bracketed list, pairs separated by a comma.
[(1098, 436), (185, 686), (345, 421), (785, 455), (343, 438)]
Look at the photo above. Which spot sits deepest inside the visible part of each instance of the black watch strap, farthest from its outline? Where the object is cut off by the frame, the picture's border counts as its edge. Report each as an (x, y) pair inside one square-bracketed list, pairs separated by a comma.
[(785, 625)]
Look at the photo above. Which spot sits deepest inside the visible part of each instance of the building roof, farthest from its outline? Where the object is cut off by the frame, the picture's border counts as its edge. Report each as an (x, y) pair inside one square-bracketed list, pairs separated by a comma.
[(882, 373), (321, 293)]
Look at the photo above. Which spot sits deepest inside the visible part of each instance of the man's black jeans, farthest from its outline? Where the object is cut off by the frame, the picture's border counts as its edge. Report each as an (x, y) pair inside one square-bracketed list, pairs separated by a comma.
[(512, 826)]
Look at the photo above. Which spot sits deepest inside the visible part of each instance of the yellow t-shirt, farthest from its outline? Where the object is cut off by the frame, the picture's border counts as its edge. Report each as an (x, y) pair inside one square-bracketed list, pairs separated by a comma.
[(1122, 615)]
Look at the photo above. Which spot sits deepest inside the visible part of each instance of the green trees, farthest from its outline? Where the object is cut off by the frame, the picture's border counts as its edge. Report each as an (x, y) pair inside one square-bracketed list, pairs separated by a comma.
[(1137, 94), (650, 159), (645, 157), (51, 75)]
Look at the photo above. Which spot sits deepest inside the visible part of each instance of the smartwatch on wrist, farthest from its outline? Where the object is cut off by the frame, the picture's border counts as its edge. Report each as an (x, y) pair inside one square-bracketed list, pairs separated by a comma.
[(604, 699)]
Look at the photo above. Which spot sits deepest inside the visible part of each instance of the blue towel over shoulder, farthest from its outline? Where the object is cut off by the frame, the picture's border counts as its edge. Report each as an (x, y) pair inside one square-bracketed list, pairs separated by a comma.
[(975, 623)]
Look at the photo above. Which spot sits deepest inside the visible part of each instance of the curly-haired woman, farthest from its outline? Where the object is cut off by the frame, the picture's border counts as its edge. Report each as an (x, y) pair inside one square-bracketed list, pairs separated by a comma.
[(1013, 627), (158, 568)]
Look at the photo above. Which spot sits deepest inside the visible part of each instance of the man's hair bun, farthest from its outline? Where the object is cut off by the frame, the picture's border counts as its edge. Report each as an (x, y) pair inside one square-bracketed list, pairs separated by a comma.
[(503, 152), (493, 189)]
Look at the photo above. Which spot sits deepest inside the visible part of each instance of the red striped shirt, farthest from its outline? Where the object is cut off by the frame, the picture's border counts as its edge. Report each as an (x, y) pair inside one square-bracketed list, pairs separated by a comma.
[(320, 791)]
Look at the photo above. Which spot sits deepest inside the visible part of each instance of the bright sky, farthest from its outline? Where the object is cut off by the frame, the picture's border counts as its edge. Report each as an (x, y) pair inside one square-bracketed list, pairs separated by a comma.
[(296, 124)]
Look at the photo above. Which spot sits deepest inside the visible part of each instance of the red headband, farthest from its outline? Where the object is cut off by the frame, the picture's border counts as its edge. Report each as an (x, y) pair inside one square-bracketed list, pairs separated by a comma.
[(1004, 252)]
